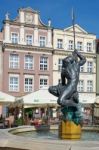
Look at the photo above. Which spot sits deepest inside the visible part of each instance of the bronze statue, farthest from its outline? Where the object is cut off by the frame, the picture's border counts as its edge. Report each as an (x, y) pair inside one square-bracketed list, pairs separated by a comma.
[(67, 90)]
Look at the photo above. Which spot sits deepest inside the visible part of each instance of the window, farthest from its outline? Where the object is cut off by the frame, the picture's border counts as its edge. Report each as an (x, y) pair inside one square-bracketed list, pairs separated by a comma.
[(89, 86), (14, 83), (29, 39), (70, 45), (81, 68), (80, 86), (14, 38), (79, 46), (14, 61), (28, 84), (28, 62), (42, 41), (59, 43), (43, 63), (43, 82), (89, 66), (89, 47), (59, 64)]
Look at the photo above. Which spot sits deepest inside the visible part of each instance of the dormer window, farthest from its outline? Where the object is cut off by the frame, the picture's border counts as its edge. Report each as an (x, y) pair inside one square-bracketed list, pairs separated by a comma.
[(14, 38)]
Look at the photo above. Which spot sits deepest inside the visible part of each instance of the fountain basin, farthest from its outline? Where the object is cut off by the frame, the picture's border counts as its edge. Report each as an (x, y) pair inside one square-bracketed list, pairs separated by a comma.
[(8, 140), (88, 134)]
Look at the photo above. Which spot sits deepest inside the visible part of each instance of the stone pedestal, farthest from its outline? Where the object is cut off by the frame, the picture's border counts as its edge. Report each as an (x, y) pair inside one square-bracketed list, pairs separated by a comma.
[(69, 130)]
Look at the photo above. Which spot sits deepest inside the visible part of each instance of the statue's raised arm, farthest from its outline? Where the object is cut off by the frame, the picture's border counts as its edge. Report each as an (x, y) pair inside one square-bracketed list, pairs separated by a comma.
[(80, 56)]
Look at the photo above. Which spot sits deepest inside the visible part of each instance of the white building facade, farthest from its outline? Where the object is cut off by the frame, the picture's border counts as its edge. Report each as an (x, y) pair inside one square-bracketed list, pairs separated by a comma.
[(63, 43)]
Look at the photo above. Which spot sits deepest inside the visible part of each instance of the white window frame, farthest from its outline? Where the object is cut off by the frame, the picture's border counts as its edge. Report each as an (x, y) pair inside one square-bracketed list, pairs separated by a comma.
[(42, 45), (43, 78), (89, 85), (89, 47), (60, 43), (79, 45), (70, 45), (17, 37), (81, 68), (59, 64), (80, 86), (28, 68), (11, 63), (29, 86), (14, 76), (27, 40), (43, 64), (89, 66)]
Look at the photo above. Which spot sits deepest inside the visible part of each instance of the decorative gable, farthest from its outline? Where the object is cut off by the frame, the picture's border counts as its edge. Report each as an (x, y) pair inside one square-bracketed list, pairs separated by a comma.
[(32, 16), (78, 29), (29, 9)]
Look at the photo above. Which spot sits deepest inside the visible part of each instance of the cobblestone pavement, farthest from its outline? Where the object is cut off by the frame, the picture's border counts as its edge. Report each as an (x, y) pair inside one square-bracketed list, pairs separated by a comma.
[(9, 141)]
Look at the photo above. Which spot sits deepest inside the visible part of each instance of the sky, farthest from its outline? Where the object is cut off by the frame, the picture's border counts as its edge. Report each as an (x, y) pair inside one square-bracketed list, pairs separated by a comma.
[(59, 11)]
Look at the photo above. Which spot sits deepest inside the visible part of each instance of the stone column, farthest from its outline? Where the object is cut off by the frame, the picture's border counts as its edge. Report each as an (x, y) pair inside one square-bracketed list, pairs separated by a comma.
[(49, 42), (22, 36), (7, 33), (36, 19), (21, 16), (36, 42)]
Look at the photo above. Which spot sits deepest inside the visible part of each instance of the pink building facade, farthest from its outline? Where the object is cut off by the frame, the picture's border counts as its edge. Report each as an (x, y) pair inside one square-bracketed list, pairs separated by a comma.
[(27, 53)]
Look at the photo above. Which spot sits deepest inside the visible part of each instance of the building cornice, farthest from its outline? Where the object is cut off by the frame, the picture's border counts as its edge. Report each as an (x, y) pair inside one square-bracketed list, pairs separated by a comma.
[(66, 52), (81, 73), (27, 47), (26, 25)]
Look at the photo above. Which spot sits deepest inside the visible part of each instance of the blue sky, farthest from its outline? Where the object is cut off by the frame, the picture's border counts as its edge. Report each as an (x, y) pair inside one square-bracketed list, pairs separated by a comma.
[(86, 11)]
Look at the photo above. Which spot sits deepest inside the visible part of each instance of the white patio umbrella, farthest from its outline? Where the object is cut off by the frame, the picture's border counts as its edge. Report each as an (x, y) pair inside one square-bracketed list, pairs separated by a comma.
[(40, 97), (6, 99)]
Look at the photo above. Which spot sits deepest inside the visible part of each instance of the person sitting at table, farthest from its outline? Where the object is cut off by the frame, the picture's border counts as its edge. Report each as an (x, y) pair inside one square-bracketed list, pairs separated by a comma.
[(9, 121)]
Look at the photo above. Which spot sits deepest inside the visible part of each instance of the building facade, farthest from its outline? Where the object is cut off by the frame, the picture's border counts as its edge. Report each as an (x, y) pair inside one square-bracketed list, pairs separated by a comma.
[(31, 55), (27, 53), (63, 44)]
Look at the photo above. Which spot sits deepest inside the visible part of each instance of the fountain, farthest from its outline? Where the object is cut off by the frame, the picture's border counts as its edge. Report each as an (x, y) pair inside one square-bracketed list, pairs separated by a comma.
[(70, 126)]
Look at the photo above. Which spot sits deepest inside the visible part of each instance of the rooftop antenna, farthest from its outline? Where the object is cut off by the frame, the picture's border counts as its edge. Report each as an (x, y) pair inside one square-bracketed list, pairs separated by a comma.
[(73, 24)]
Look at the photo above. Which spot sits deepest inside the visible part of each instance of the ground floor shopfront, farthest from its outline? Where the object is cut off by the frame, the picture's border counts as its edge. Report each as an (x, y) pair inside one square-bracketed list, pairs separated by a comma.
[(90, 113)]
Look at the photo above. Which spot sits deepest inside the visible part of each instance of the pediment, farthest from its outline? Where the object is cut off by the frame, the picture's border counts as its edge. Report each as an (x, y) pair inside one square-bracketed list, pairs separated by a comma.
[(78, 29), (29, 9)]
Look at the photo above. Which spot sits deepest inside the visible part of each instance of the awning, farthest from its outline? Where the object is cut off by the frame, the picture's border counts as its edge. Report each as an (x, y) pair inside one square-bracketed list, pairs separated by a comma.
[(6, 99), (97, 100), (40, 97)]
